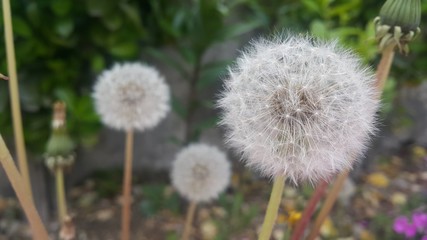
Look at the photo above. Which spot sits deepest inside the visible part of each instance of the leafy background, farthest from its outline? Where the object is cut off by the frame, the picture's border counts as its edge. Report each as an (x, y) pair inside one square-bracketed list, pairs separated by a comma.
[(62, 46)]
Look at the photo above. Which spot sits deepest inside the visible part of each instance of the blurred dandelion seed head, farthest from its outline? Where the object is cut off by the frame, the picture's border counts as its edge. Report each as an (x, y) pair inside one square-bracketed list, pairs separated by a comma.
[(200, 172), (299, 107), (131, 96)]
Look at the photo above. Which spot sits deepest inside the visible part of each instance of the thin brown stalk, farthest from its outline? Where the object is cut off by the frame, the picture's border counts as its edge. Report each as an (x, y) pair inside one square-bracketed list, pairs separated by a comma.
[(189, 221), (14, 99), (38, 229), (327, 206), (309, 210), (384, 66), (127, 187), (383, 70)]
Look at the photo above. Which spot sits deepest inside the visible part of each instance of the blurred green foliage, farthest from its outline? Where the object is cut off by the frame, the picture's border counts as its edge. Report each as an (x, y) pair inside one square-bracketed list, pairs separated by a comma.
[(239, 215), (107, 182), (61, 46), (159, 197)]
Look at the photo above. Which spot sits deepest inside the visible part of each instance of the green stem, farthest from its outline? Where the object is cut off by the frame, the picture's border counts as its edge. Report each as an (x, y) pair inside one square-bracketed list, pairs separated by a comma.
[(60, 194), (37, 227), (14, 99), (272, 208)]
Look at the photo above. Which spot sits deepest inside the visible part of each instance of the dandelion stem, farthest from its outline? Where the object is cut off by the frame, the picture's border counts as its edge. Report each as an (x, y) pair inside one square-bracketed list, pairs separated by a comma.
[(127, 186), (309, 209), (60, 194), (189, 221), (38, 229), (272, 208), (327, 206), (14, 99), (384, 66), (383, 70)]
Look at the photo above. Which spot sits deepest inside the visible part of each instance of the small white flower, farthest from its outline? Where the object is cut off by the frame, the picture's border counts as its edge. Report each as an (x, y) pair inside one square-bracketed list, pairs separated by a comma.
[(200, 172), (131, 96), (299, 107)]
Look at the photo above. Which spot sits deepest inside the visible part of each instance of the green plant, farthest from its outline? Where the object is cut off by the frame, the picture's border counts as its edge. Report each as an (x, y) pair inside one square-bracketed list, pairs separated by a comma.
[(191, 30), (239, 215), (107, 182), (157, 197), (60, 47)]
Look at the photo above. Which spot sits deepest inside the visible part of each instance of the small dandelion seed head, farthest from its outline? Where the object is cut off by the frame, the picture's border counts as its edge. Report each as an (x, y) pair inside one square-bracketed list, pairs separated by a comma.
[(131, 96), (316, 124), (200, 172)]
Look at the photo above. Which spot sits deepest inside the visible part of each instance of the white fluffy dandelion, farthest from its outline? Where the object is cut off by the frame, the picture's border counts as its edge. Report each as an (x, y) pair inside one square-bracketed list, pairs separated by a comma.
[(131, 96), (200, 172), (299, 107)]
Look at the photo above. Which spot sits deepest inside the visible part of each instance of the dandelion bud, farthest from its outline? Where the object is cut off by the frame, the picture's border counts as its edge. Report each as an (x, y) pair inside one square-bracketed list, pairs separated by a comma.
[(398, 23), (200, 172), (131, 96), (60, 147), (298, 107)]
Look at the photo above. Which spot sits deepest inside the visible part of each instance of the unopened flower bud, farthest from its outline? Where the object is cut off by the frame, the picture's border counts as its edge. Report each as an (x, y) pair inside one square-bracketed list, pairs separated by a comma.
[(398, 23), (60, 146)]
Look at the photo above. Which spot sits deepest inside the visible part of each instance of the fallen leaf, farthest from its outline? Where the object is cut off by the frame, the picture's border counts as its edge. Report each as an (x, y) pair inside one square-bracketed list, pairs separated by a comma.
[(398, 198), (208, 230), (378, 179), (366, 235), (328, 229), (104, 215)]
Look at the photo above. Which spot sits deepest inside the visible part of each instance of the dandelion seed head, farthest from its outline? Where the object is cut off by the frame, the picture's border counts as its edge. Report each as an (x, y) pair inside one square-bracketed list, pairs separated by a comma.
[(131, 96), (200, 172), (299, 107)]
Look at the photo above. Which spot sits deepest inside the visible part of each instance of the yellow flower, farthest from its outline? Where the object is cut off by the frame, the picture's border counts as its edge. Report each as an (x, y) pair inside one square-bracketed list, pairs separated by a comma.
[(294, 217)]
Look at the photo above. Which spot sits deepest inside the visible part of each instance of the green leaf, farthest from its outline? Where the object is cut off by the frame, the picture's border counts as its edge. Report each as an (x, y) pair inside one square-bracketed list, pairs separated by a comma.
[(33, 13), (211, 73), (207, 123), (172, 236), (312, 5), (235, 30), (29, 96), (97, 63), (64, 27), (124, 50), (188, 54), (167, 59), (4, 96), (21, 27), (113, 21), (98, 8), (319, 29), (178, 107), (61, 8), (133, 15)]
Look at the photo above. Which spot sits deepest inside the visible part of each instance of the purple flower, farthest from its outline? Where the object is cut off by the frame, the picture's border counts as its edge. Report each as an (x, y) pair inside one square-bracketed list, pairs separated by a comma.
[(410, 231), (403, 226), (424, 237), (420, 220), (400, 224)]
